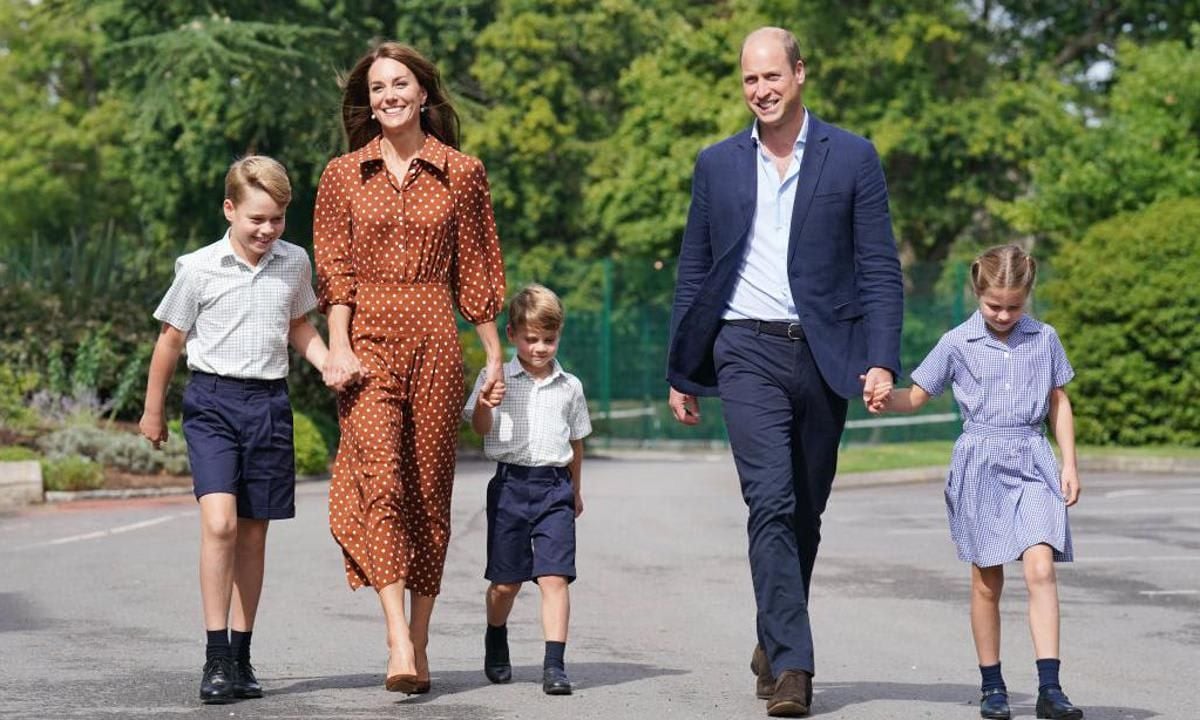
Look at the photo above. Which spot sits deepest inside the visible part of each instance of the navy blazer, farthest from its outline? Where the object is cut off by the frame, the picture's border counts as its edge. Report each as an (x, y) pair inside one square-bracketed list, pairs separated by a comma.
[(843, 268)]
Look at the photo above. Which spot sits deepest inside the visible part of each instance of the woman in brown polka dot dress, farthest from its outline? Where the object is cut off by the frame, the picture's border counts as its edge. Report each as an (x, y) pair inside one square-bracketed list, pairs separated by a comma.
[(403, 232)]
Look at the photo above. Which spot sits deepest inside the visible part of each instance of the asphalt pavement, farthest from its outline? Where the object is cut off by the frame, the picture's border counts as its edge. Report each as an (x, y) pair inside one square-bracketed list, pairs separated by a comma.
[(100, 609)]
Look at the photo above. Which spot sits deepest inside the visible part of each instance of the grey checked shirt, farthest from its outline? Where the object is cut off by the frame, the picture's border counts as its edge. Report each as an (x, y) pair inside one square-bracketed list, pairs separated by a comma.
[(237, 317), (537, 420)]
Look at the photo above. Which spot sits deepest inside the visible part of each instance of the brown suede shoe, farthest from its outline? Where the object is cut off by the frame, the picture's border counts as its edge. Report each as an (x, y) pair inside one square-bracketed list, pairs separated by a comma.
[(792, 696), (764, 686)]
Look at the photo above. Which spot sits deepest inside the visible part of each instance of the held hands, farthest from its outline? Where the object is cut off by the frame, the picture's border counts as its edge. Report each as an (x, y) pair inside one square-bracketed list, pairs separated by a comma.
[(153, 428), (341, 369), (877, 389), (685, 408), (1070, 485), (491, 394)]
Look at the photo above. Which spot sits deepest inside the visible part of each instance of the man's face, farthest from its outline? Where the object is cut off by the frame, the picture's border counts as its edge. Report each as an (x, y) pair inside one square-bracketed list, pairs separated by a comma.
[(771, 86)]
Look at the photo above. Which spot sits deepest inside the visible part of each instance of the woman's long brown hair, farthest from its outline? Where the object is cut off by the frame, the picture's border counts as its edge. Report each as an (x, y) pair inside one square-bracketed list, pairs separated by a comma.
[(438, 117)]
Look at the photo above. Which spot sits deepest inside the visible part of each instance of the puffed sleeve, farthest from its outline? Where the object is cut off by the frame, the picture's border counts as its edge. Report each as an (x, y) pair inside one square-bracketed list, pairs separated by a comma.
[(936, 369), (478, 273), (332, 235)]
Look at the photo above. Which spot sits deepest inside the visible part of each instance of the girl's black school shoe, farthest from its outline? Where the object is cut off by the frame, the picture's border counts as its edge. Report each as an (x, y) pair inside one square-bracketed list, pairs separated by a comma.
[(1052, 704), (216, 686), (994, 705), (246, 685)]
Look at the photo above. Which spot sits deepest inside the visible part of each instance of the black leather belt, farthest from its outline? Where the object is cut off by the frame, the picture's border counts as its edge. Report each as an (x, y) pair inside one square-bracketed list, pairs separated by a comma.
[(789, 330)]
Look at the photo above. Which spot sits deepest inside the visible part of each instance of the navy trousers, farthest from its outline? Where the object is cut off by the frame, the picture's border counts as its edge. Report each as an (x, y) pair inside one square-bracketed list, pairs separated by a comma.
[(784, 424)]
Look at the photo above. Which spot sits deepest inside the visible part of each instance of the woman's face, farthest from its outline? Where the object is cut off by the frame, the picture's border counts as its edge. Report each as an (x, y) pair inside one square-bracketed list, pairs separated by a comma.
[(396, 96)]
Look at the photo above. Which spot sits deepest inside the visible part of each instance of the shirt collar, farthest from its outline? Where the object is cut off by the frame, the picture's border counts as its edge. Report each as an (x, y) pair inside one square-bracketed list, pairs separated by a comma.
[(801, 139), (977, 329), (225, 252), (434, 152), (514, 368)]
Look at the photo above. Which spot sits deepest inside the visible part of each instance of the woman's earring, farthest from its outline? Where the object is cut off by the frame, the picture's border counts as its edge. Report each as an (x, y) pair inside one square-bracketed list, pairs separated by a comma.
[(424, 108), (372, 116)]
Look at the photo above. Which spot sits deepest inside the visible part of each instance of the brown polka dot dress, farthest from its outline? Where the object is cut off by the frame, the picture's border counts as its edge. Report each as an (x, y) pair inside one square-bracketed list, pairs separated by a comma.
[(402, 253)]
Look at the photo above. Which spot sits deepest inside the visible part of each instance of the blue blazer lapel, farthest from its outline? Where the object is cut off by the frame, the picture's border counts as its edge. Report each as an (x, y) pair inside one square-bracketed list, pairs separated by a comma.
[(744, 186), (815, 150)]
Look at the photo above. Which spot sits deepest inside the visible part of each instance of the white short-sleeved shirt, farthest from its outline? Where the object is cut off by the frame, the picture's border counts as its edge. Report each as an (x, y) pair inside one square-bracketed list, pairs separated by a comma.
[(237, 317), (537, 420)]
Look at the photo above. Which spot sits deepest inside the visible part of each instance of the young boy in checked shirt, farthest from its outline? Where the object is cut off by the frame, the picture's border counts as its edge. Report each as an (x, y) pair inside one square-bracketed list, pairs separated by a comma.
[(536, 438), (236, 305)]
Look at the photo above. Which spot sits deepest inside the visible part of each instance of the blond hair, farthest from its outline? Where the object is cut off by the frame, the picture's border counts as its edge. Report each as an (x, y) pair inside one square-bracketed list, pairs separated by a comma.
[(260, 172), (1006, 267), (536, 306)]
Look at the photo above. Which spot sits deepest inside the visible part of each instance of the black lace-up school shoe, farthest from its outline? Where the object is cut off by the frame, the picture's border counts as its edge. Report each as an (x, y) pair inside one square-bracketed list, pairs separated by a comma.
[(1052, 703), (994, 704), (555, 681), (245, 685), (217, 684)]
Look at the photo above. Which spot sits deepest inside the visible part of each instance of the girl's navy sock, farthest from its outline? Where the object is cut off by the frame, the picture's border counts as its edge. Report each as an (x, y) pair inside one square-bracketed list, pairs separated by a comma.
[(218, 643), (1048, 672), (991, 677)]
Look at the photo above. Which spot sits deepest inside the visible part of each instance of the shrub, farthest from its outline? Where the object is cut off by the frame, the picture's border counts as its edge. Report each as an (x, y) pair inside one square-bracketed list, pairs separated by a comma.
[(14, 390), (1125, 300), (71, 473), (117, 449), (312, 457), (17, 453)]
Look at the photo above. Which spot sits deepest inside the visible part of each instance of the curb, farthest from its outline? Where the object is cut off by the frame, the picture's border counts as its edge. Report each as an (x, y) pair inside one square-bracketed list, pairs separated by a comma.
[(902, 476), (66, 496)]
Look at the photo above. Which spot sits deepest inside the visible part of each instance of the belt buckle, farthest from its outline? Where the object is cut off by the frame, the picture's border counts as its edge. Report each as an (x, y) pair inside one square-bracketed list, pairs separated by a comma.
[(799, 331)]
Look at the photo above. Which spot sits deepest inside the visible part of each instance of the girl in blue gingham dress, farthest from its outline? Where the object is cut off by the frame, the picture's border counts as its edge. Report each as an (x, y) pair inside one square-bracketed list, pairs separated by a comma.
[(1005, 496)]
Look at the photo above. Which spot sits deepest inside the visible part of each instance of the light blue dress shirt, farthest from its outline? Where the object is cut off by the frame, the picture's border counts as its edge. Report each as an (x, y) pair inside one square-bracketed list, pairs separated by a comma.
[(762, 291)]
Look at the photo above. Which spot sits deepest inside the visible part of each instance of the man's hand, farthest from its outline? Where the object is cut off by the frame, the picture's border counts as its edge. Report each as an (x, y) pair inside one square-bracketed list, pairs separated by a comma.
[(686, 408), (877, 389)]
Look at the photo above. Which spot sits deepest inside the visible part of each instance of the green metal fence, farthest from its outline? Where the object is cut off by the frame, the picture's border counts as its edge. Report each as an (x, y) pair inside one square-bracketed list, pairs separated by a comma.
[(615, 341)]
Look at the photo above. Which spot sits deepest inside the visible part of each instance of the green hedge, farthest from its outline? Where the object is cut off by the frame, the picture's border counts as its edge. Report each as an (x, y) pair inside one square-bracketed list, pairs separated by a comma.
[(312, 457), (72, 473), (1126, 300)]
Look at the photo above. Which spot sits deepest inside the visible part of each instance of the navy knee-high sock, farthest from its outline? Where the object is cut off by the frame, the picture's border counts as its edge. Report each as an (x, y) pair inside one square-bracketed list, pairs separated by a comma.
[(218, 644)]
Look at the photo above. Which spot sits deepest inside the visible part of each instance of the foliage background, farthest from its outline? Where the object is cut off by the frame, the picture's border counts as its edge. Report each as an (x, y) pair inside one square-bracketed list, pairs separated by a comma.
[(1052, 123)]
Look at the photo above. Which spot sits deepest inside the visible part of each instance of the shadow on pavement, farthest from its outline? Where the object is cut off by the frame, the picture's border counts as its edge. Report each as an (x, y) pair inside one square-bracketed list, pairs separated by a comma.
[(584, 675), (830, 697)]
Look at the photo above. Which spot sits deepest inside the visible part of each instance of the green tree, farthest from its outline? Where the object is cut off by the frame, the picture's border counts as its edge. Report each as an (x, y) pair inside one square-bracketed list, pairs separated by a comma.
[(1125, 302)]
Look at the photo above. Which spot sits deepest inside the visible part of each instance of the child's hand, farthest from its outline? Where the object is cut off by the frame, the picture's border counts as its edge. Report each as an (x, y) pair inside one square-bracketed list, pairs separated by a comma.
[(578, 504), (153, 428), (1070, 486), (876, 399), (493, 397)]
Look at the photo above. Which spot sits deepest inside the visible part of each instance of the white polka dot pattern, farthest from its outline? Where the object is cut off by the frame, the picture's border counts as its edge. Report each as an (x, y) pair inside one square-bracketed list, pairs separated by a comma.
[(403, 254)]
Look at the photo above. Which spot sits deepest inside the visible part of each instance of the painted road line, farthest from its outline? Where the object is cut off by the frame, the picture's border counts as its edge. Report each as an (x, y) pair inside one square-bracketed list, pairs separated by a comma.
[(96, 535)]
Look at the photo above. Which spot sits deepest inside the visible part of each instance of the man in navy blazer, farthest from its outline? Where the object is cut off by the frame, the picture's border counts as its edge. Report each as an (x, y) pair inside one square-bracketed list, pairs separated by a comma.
[(788, 302)]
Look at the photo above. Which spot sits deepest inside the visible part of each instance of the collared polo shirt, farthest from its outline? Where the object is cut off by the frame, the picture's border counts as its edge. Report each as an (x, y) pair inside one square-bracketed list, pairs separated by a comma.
[(538, 418), (237, 317)]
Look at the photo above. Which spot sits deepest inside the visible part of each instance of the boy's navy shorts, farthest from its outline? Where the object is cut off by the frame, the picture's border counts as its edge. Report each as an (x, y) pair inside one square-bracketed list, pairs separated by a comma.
[(531, 524), (239, 441)]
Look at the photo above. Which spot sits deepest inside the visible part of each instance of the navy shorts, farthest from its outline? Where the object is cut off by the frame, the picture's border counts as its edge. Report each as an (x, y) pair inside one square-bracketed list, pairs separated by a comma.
[(239, 441), (531, 524)]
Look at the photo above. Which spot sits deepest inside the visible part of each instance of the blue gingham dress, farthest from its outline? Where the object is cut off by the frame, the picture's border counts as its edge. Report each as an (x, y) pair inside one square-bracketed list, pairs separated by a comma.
[(1003, 492)]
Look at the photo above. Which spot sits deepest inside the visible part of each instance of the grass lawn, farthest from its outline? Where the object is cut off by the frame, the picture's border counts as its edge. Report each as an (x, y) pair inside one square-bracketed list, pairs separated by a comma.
[(891, 456), (864, 458)]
